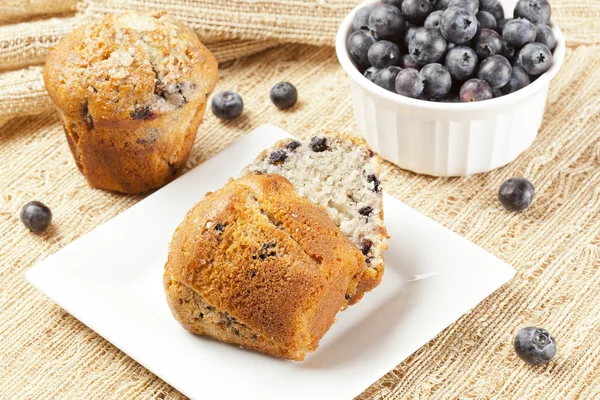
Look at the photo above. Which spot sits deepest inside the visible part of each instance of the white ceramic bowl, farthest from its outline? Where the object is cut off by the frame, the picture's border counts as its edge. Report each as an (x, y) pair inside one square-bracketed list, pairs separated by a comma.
[(447, 139)]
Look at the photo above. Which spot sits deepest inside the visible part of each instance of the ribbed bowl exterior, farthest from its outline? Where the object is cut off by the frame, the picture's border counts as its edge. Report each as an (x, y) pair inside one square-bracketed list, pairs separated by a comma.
[(447, 139), (447, 143)]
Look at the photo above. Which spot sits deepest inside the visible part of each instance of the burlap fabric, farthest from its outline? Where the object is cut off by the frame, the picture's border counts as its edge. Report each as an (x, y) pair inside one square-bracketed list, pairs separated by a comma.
[(554, 246)]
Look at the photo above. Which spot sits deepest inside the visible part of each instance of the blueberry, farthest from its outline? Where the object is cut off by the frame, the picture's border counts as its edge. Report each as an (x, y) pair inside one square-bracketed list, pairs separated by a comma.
[(370, 73), (427, 46), (475, 90), (277, 157), (437, 81), (358, 45), (442, 4), (227, 105), (461, 62), (535, 58), (410, 83), (386, 78), (535, 345), (498, 12), (366, 211), (361, 18), (409, 62), (293, 145), (486, 20), (488, 43), (383, 54), (471, 5), (536, 11), (487, 5), (495, 70), (518, 80), (507, 51), (458, 25), (416, 11), (501, 23), (434, 20), (410, 32), (497, 93), (36, 216), (386, 22), (518, 32), (450, 45), (376, 183), (318, 144), (545, 36), (284, 95), (395, 3), (516, 194), (451, 98)]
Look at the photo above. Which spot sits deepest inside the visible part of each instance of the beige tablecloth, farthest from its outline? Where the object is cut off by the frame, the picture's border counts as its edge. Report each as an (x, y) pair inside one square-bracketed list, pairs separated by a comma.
[(554, 246)]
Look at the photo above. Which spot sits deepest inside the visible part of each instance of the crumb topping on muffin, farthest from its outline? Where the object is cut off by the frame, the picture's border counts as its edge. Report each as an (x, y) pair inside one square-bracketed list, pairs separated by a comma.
[(132, 65)]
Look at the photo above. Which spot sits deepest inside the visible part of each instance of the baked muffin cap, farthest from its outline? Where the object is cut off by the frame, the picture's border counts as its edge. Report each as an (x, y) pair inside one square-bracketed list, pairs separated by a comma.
[(128, 67)]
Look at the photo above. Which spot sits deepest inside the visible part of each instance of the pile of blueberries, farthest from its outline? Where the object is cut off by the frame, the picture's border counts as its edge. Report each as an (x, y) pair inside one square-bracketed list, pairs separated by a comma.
[(452, 50)]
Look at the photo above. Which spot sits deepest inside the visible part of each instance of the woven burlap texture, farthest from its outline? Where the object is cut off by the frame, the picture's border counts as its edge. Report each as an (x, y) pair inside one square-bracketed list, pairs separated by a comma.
[(554, 246), (246, 26)]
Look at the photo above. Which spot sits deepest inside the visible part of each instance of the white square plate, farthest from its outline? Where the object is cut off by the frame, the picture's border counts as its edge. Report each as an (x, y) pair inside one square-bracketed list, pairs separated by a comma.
[(111, 280)]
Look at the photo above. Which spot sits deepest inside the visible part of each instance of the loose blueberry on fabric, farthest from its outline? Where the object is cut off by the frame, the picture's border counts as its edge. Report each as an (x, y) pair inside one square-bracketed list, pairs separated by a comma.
[(535, 58), (475, 90), (535, 345), (495, 70), (36, 216), (437, 81), (461, 62), (427, 46), (284, 95), (458, 25), (386, 78), (383, 54), (516, 194), (386, 22), (227, 105), (536, 11), (358, 45), (470, 5), (488, 43), (518, 32), (410, 83)]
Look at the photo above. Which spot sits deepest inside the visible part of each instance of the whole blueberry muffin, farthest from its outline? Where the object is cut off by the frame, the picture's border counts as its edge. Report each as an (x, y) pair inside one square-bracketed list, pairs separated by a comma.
[(256, 265), (341, 174), (131, 90)]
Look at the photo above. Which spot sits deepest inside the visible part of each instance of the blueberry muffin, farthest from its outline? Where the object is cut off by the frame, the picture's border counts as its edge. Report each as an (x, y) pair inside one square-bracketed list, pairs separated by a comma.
[(131, 90), (341, 174), (258, 266)]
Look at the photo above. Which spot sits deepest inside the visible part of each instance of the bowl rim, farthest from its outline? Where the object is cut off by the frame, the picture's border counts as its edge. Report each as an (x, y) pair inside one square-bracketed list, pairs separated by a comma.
[(344, 31)]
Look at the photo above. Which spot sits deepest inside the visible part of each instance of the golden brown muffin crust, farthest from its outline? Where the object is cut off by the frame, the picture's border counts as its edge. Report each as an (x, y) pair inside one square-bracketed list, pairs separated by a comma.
[(261, 254)]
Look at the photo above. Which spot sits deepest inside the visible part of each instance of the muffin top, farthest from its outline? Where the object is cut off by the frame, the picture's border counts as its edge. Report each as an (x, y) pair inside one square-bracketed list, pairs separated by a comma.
[(129, 66)]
